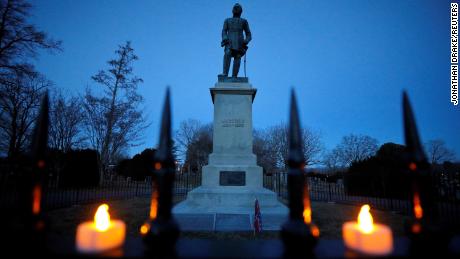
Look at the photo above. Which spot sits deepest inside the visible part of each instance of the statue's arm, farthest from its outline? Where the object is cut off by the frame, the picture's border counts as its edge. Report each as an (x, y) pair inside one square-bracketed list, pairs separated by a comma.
[(247, 31), (224, 31)]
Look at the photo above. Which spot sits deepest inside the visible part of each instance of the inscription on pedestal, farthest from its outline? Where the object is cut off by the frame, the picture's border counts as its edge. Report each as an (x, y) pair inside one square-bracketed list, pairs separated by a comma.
[(237, 123), (232, 178)]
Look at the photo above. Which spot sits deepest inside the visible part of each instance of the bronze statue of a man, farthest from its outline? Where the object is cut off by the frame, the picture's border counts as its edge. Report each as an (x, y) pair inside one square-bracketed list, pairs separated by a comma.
[(234, 41)]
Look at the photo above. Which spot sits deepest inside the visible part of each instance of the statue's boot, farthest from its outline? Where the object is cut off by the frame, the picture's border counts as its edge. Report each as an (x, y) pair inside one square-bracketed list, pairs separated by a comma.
[(227, 58), (236, 66)]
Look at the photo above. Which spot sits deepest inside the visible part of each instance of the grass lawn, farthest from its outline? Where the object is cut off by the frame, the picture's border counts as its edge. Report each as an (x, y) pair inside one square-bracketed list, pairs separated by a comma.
[(329, 217)]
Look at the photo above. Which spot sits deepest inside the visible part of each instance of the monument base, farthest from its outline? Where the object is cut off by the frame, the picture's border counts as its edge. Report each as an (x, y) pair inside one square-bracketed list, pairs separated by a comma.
[(226, 201), (229, 208), (232, 180), (230, 200), (231, 188)]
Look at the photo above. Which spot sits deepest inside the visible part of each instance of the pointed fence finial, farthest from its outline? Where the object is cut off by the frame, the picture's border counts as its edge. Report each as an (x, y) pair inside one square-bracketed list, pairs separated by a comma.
[(425, 231), (161, 231), (423, 187), (296, 156), (38, 158), (33, 182), (164, 152), (413, 145), (299, 234), (40, 137)]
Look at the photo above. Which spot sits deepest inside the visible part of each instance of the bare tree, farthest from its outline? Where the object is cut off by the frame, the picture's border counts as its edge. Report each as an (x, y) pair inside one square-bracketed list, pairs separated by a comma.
[(269, 145), (114, 120), (276, 137), (199, 148), (19, 101), (20, 85), (266, 155), (278, 141), (332, 160), (66, 118), (186, 134), (312, 146), (438, 152), (20, 40), (355, 148)]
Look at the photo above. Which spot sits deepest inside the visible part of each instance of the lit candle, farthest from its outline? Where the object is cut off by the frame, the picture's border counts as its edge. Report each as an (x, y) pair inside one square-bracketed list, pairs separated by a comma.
[(366, 237), (101, 235)]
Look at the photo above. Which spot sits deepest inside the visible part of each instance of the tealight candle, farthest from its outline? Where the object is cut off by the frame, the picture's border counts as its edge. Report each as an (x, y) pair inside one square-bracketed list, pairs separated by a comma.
[(366, 237), (101, 235)]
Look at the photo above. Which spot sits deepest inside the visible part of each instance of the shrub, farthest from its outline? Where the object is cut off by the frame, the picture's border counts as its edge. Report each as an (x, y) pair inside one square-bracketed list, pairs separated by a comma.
[(382, 175), (80, 169), (139, 167)]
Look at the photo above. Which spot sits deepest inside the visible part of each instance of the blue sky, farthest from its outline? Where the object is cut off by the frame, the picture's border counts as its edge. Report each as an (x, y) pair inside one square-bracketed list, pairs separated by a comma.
[(347, 60)]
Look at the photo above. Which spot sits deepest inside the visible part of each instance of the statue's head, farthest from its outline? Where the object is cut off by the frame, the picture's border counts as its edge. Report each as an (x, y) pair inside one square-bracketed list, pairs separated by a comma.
[(237, 10)]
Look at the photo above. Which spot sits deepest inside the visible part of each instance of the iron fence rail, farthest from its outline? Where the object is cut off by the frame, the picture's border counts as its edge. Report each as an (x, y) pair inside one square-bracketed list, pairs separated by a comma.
[(126, 188), (448, 195), (56, 197)]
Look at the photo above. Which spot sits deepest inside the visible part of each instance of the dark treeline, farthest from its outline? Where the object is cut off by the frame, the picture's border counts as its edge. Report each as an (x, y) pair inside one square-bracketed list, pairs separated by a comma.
[(386, 174), (74, 168), (138, 168)]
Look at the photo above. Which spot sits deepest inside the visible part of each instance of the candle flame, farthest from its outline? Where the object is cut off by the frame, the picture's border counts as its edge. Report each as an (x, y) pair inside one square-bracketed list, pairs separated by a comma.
[(145, 228), (315, 231), (102, 218), (36, 199), (154, 204), (157, 166), (365, 220), (416, 228), (306, 205), (307, 215), (418, 211)]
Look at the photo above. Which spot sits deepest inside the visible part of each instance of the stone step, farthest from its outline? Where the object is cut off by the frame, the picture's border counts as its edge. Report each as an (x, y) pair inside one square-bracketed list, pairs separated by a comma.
[(227, 221)]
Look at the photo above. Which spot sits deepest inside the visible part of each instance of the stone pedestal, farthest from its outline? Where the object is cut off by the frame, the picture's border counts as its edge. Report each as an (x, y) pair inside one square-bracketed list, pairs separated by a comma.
[(232, 180), (232, 162)]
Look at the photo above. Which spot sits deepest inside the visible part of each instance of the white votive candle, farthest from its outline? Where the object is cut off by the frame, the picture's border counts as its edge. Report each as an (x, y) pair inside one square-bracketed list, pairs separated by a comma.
[(100, 235), (366, 237)]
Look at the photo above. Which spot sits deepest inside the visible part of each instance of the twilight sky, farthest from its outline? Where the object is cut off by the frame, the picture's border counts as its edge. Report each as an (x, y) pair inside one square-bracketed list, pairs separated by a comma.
[(347, 60)]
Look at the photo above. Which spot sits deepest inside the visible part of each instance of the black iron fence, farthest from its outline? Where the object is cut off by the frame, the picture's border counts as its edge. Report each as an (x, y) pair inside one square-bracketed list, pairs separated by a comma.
[(447, 194), (321, 189), (117, 188)]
